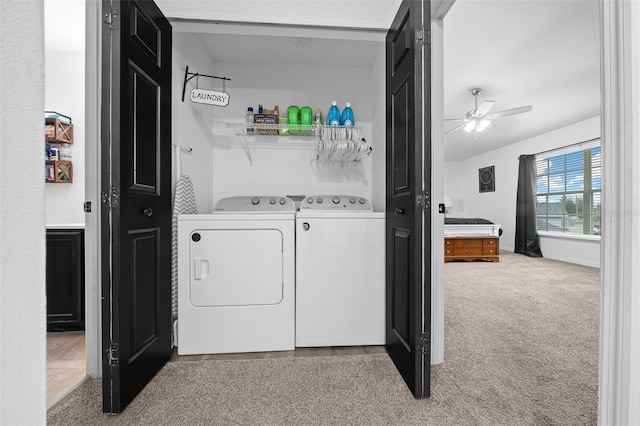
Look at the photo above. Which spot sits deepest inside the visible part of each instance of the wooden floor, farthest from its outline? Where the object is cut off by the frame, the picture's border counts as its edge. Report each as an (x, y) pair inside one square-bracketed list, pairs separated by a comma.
[(298, 352), (66, 364)]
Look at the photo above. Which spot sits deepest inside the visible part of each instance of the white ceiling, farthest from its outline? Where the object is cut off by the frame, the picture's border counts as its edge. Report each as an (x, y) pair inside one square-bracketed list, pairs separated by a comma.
[(369, 14), (299, 50), (540, 53), (288, 46)]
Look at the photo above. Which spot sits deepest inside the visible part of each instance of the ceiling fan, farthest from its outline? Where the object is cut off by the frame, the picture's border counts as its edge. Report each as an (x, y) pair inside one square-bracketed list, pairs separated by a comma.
[(479, 118)]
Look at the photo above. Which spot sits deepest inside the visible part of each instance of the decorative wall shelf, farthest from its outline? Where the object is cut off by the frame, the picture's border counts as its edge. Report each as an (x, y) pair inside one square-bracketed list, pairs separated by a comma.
[(58, 131), (59, 171)]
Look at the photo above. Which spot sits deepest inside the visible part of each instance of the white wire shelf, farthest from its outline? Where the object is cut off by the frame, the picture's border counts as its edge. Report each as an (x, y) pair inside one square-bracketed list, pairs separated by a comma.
[(334, 143), (283, 129), (264, 129)]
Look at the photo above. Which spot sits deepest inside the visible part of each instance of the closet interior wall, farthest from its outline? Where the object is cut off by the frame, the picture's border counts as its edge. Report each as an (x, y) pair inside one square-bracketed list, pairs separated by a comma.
[(292, 73)]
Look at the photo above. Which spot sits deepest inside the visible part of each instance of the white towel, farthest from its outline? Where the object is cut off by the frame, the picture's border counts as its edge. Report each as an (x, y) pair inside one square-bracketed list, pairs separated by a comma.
[(184, 203)]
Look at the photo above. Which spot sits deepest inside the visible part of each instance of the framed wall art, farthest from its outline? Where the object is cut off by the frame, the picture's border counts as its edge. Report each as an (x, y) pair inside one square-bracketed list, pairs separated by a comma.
[(487, 179)]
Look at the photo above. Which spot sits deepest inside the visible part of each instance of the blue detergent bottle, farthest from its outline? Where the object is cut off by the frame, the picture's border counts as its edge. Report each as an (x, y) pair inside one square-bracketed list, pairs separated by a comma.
[(333, 116), (346, 119)]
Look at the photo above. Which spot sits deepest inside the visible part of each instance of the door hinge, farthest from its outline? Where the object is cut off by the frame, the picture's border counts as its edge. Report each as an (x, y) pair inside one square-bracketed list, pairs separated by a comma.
[(112, 198), (423, 36), (423, 344), (87, 206), (423, 200), (110, 19), (112, 354)]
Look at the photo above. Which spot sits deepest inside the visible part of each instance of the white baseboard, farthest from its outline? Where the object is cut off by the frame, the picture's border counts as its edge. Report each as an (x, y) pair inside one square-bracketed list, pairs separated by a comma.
[(582, 262)]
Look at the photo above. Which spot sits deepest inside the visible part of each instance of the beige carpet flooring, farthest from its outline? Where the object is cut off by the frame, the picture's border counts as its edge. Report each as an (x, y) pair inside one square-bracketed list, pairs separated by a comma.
[(521, 349)]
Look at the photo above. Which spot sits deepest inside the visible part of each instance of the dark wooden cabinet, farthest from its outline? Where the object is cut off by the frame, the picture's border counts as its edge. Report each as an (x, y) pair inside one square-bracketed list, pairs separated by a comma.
[(65, 279)]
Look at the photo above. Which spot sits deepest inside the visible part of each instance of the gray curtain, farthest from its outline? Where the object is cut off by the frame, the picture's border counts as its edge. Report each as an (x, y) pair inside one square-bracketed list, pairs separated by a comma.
[(527, 241)]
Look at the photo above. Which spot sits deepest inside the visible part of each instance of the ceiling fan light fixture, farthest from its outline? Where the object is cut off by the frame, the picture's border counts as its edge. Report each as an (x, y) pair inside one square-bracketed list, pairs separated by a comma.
[(479, 119), (482, 124), (471, 124)]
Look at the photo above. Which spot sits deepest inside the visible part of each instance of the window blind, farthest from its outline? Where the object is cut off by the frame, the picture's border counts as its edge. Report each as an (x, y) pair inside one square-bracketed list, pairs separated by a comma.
[(569, 189)]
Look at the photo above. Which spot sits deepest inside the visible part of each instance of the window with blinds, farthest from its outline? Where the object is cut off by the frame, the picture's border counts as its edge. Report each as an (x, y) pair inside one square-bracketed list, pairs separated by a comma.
[(569, 187)]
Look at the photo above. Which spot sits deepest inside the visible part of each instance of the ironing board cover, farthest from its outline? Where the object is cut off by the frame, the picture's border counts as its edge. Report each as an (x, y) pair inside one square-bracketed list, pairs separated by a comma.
[(184, 203)]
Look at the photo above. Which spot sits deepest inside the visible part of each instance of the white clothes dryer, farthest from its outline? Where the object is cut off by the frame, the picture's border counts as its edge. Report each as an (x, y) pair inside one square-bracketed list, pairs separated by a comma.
[(236, 277), (340, 272)]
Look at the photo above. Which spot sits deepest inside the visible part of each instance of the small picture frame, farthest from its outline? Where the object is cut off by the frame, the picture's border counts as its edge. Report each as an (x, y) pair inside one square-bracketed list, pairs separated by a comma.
[(487, 179)]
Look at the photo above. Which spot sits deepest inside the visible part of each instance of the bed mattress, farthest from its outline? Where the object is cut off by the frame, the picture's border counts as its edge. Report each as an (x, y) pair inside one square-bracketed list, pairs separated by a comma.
[(460, 227)]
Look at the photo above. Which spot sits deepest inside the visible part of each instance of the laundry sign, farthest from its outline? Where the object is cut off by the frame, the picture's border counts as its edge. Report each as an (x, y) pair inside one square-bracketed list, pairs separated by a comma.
[(210, 97)]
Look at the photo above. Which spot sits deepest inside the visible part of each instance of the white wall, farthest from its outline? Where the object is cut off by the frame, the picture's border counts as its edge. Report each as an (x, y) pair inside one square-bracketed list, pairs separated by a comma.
[(192, 125), (220, 166), (64, 93), (22, 231), (461, 184), (379, 128), (437, 188)]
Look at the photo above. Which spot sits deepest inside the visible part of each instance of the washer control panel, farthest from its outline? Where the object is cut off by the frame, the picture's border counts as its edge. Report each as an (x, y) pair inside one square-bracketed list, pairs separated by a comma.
[(267, 204), (335, 203)]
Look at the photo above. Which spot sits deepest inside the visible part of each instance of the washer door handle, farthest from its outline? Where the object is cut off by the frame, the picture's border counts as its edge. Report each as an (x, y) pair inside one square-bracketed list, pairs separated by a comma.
[(306, 226)]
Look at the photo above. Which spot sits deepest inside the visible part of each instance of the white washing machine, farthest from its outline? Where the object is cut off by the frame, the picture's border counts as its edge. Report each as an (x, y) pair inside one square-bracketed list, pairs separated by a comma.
[(236, 277), (340, 272)]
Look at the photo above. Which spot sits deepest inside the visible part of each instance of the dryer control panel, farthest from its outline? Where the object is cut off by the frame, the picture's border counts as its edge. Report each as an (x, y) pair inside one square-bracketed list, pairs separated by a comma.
[(256, 204), (336, 203)]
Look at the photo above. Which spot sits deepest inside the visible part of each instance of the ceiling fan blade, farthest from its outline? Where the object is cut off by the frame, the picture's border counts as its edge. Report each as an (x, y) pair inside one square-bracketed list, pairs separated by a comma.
[(508, 112), (483, 109), (455, 128)]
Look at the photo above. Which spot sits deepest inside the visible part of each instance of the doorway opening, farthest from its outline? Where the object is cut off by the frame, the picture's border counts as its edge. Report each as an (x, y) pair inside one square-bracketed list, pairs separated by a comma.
[(64, 196), (504, 69)]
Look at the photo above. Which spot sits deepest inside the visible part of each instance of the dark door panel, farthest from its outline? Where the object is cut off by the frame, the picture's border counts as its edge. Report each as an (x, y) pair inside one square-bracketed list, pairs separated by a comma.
[(403, 134), (145, 34), (144, 110), (136, 192), (408, 159), (143, 277), (401, 325)]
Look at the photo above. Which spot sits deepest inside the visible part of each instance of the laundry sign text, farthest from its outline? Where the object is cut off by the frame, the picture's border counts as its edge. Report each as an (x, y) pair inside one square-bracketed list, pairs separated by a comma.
[(210, 97)]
